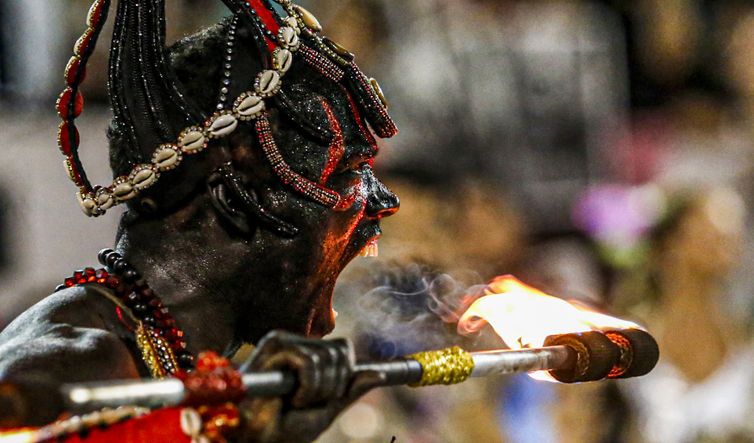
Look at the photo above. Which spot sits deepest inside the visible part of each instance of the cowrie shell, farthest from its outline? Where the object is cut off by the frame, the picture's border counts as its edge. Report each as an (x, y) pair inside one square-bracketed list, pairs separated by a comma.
[(267, 83), (192, 140), (288, 37), (105, 199), (191, 422), (143, 177), (293, 23), (123, 190), (222, 125), (166, 157), (88, 205), (282, 60), (250, 106)]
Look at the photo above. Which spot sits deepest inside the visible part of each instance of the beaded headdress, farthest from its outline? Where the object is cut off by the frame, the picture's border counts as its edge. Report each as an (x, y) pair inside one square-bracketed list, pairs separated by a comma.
[(157, 116)]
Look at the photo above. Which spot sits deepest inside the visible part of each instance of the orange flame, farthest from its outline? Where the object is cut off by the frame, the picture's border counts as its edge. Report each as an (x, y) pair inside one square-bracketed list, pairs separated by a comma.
[(524, 317), (26, 435)]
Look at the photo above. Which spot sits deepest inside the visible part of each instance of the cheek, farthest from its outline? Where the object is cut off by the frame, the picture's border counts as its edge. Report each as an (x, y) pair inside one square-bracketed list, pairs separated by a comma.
[(349, 212), (353, 196)]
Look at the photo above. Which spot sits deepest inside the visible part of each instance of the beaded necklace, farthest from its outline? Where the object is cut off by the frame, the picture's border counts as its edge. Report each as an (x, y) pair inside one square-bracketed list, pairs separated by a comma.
[(159, 339)]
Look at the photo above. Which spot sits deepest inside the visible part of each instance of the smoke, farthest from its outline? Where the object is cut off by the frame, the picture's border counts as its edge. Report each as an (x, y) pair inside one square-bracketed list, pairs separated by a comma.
[(411, 308)]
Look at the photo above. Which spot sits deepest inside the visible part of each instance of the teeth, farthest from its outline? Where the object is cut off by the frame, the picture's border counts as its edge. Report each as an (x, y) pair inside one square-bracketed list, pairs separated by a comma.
[(372, 249)]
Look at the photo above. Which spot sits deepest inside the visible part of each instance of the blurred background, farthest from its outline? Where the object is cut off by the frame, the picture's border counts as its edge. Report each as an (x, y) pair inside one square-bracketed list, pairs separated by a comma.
[(598, 150)]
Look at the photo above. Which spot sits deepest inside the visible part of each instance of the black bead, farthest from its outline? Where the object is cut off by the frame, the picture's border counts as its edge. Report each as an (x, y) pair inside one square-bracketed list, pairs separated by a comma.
[(140, 308), (130, 275), (111, 258), (146, 294), (120, 266), (59, 288), (133, 299), (102, 254), (148, 319), (185, 360)]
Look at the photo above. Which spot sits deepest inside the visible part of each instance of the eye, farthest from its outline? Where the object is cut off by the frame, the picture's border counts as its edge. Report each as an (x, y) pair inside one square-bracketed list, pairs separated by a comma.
[(357, 165)]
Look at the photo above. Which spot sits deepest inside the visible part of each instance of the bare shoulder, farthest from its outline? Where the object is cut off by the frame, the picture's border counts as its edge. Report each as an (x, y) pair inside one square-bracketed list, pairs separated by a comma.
[(69, 336)]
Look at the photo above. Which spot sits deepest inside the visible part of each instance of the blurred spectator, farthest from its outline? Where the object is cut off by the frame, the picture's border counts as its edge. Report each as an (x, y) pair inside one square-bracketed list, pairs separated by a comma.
[(703, 387)]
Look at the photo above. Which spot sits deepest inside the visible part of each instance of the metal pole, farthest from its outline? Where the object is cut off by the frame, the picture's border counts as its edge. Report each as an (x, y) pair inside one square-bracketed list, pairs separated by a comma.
[(155, 393)]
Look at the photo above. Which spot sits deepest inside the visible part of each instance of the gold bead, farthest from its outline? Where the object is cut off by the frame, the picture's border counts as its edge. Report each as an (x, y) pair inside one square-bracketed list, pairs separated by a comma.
[(340, 50), (310, 21), (378, 91)]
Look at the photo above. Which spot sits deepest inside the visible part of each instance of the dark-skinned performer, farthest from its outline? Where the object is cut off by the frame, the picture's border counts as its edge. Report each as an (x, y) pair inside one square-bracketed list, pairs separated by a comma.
[(244, 156)]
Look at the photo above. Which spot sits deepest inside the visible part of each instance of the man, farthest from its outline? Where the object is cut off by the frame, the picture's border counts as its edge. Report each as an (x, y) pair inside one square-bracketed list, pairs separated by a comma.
[(244, 157)]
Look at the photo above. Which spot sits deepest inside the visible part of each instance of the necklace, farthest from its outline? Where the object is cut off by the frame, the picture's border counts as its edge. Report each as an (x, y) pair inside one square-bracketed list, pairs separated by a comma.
[(159, 339)]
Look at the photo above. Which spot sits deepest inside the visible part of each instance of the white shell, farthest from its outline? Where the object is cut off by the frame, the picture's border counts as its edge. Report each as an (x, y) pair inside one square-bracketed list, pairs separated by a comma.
[(222, 125), (143, 177), (250, 106), (267, 83), (293, 23), (282, 59), (192, 140), (87, 204), (288, 37), (166, 157), (191, 422), (123, 190), (105, 199)]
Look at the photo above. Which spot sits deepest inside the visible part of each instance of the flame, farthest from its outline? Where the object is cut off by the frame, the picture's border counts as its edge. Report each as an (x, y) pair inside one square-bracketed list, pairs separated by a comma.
[(19, 436), (524, 317)]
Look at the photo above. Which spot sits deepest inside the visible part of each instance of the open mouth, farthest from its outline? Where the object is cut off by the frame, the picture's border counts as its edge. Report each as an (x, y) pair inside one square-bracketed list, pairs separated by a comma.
[(371, 249)]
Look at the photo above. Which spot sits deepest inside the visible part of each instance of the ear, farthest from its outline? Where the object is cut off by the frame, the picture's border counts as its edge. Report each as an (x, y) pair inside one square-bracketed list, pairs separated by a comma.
[(240, 207)]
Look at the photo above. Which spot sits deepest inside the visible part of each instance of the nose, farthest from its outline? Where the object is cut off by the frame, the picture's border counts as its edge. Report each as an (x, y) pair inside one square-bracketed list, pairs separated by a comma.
[(381, 201)]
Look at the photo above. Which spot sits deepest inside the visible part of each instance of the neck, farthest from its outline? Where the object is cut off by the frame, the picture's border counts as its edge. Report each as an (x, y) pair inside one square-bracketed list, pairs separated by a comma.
[(191, 281)]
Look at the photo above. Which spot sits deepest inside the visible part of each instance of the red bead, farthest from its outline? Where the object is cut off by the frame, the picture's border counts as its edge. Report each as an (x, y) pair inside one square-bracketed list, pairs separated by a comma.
[(83, 42), (121, 290), (64, 141), (78, 274), (72, 70), (112, 282), (94, 17), (101, 276), (74, 172), (64, 102), (207, 361), (69, 282), (173, 334), (90, 275)]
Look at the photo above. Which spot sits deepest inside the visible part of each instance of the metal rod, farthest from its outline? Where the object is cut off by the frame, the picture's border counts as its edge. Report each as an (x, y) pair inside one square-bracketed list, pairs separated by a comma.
[(155, 393)]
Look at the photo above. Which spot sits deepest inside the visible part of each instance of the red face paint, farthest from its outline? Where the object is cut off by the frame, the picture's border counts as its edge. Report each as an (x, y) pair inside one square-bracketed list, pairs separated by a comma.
[(360, 121), (337, 146)]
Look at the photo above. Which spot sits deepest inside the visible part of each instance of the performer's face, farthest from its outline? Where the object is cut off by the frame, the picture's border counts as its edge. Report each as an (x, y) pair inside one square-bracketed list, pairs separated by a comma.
[(294, 278)]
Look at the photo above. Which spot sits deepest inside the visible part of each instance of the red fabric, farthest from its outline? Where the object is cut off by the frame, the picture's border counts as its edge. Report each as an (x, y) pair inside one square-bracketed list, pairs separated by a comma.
[(268, 19), (161, 425)]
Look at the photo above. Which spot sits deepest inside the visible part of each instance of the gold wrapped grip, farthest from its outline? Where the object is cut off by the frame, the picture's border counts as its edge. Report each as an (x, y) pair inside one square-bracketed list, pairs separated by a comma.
[(444, 367)]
